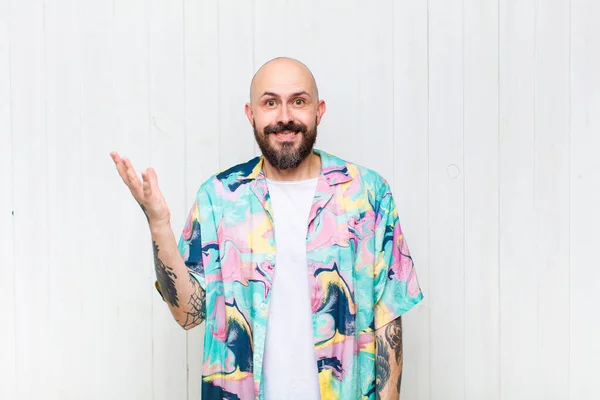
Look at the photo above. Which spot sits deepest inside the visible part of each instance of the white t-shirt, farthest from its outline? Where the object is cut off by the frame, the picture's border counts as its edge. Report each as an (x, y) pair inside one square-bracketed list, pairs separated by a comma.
[(290, 367)]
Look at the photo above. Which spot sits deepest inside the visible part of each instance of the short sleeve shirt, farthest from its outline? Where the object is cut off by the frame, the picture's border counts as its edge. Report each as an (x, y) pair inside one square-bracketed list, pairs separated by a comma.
[(361, 275)]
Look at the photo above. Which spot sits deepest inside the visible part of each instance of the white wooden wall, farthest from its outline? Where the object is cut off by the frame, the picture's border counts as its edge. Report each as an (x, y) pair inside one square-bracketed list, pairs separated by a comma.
[(484, 114)]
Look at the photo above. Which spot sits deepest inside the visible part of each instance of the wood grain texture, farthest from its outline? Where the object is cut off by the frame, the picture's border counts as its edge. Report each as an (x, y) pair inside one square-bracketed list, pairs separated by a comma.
[(7, 242), (30, 191), (63, 75), (410, 183), (552, 187), (482, 334), (446, 200), (482, 351), (518, 265), (584, 199)]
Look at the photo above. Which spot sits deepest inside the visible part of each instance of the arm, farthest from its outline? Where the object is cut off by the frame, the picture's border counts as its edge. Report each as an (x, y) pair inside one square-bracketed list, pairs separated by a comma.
[(388, 364), (182, 293)]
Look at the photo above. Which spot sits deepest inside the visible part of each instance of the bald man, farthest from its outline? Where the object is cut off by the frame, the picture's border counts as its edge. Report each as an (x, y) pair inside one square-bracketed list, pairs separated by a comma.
[(295, 260)]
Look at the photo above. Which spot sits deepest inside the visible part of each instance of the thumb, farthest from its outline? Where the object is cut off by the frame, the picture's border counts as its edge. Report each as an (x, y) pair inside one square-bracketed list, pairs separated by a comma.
[(152, 177), (146, 184)]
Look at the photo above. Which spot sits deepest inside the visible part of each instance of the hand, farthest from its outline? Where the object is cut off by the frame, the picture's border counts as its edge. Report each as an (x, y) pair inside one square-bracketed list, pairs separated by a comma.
[(146, 193)]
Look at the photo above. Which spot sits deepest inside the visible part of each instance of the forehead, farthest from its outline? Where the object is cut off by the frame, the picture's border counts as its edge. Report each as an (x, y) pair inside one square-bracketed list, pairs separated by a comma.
[(283, 78)]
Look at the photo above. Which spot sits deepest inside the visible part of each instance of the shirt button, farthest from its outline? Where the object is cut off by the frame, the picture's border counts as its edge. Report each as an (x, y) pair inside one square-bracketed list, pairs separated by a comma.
[(263, 306)]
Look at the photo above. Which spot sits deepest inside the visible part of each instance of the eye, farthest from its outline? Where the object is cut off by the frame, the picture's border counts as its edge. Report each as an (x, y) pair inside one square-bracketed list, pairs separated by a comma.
[(299, 102), (270, 103)]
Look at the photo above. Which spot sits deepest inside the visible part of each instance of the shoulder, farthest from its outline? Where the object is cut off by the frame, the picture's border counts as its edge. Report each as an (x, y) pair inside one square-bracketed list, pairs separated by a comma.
[(372, 182), (230, 179)]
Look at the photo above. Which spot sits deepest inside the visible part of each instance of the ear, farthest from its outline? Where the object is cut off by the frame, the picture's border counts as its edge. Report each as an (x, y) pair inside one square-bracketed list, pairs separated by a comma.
[(249, 113), (321, 108)]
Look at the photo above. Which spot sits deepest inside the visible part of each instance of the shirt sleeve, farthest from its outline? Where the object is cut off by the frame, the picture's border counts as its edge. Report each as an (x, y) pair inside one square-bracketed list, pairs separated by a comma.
[(397, 288), (190, 245)]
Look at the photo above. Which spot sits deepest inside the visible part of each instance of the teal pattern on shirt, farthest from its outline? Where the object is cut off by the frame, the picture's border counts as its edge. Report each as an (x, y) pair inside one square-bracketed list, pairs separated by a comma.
[(361, 275)]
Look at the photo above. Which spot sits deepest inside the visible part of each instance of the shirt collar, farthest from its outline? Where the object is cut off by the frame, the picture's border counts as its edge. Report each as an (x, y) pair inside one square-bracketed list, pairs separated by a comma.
[(333, 169)]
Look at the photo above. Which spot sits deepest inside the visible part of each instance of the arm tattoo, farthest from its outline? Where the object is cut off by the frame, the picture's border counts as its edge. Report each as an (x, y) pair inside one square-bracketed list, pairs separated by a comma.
[(388, 364), (393, 335), (382, 364), (166, 278), (145, 211), (197, 312)]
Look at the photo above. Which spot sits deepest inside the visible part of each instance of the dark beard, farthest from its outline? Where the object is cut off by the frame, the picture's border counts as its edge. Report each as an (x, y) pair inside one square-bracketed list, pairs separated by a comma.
[(286, 156)]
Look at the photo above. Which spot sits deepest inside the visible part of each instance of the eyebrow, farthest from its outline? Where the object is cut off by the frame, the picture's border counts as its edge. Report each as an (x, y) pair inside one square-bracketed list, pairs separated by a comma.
[(293, 94)]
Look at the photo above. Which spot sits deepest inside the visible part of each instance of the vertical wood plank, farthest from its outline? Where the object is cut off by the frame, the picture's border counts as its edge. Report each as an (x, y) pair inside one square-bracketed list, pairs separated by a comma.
[(236, 53), (552, 47), (410, 177), (585, 197), (63, 125), (447, 298), (98, 222), (129, 111), (271, 29), (202, 95), (518, 274), (301, 39), (7, 244), (28, 116), (375, 91), (482, 350), (167, 111), (335, 66), (117, 304)]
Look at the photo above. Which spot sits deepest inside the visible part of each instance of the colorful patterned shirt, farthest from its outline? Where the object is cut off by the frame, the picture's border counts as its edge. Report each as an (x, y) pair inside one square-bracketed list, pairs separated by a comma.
[(361, 276)]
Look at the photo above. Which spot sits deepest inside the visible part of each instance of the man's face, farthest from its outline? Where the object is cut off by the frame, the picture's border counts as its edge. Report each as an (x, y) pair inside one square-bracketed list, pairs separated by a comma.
[(284, 113)]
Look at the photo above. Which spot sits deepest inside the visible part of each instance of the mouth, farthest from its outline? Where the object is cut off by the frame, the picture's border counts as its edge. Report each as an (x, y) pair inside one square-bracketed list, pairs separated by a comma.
[(285, 135)]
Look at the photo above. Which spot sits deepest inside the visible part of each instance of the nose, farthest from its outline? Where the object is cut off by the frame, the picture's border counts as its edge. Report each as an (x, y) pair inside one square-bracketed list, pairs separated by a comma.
[(285, 116)]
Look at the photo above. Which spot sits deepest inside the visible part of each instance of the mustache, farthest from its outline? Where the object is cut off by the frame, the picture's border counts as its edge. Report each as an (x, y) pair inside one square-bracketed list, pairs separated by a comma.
[(281, 127)]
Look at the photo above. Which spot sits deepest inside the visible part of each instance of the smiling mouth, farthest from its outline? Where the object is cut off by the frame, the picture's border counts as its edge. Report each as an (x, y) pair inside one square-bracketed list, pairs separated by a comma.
[(286, 134)]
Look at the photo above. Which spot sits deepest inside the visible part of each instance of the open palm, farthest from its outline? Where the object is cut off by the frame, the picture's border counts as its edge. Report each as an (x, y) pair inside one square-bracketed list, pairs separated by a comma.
[(146, 191)]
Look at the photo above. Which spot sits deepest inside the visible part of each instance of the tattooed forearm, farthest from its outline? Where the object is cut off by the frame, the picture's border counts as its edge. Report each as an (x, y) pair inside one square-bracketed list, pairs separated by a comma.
[(197, 311), (382, 364), (393, 335), (166, 278), (388, 368), (174, 280)]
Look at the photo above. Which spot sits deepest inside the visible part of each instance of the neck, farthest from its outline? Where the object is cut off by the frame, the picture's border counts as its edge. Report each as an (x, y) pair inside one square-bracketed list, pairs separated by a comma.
[(309, 168)]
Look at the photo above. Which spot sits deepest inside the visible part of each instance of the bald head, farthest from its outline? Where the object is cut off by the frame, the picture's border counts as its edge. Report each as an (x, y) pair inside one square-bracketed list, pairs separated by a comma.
[(283, 73)]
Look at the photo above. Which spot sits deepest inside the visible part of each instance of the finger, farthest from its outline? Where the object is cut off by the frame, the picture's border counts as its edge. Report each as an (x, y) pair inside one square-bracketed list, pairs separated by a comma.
[(119, 163), (132, 180), (146, 184), (131, 174), (152, 177), (121, 169)]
